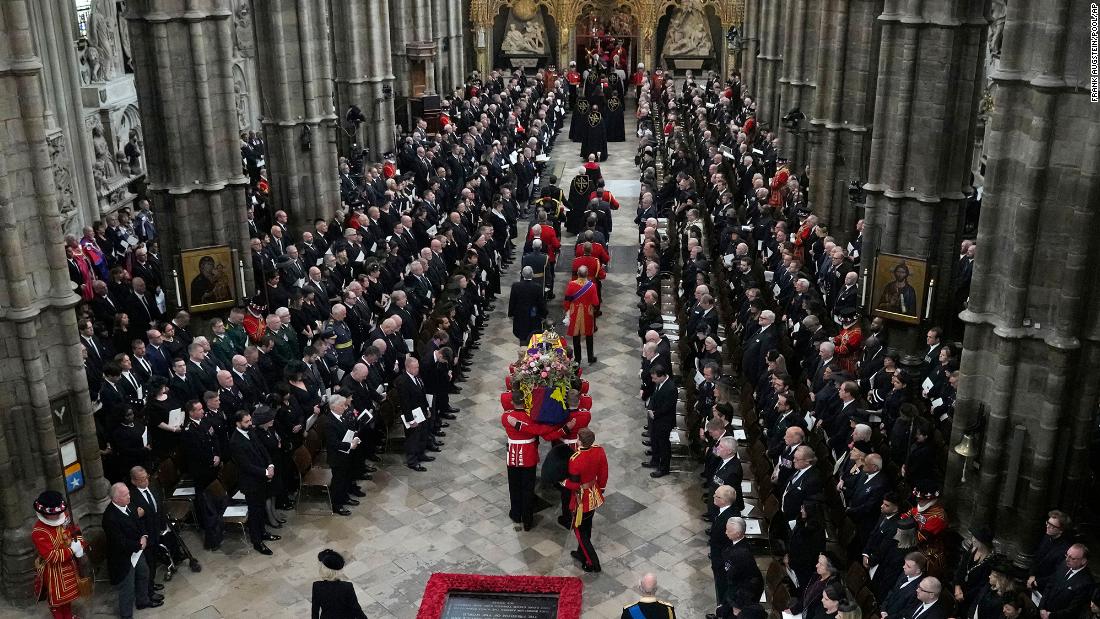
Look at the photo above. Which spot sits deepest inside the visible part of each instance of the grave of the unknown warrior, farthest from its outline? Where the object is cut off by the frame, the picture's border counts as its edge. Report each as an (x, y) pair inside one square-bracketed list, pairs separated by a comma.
[(479, 605)]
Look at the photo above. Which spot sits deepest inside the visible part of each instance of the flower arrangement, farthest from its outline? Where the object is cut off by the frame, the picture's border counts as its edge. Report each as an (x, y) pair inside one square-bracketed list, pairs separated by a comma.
[(544, 374)]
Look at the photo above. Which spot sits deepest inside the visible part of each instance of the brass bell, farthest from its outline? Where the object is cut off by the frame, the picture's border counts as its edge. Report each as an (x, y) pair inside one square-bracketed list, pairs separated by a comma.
[(965, 448)]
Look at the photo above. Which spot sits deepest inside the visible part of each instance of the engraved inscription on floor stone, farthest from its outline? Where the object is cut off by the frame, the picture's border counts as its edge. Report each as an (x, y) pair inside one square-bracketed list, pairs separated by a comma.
[(500, 606)]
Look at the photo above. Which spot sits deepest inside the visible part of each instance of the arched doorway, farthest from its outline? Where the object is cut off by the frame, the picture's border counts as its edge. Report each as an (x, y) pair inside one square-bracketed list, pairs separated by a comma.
[(606, 30)]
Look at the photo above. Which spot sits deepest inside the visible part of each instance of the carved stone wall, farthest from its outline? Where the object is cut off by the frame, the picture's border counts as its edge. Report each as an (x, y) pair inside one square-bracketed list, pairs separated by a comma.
[(39, 347)]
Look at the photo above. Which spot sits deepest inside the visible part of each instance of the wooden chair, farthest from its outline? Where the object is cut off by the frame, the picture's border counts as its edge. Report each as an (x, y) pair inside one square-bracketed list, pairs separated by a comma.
[(311, 477), (856, 578), (176, 508), (217, 489), (867, 602)]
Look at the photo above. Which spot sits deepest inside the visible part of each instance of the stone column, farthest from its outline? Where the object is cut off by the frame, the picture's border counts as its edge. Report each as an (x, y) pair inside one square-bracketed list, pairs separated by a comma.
[(841, 114), (40, 355), (926, 102), (362, 50), (769, 62), (424, 49), (441, 36), (293, 40), (457, 59), (1031, 364), (191, 141), (798, 78), (750, 34)]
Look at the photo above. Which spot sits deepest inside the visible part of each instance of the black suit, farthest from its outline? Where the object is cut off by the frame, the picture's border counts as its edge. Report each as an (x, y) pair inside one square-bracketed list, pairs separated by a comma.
[(411, 395), (142, 312), (753, 359), (800, 488), (663, 405), (152, 522), (335, 599), (123, 538), (718, 543), (252, 461), (526, 308), (339, 457), (742, 573), (1066, 598), (200, 445), (729, 474), (935, 611), (902, 597), (864, 501)]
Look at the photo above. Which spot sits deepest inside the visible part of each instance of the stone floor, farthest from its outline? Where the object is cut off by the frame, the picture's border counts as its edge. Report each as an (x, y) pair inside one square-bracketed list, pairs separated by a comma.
[(453, 517)]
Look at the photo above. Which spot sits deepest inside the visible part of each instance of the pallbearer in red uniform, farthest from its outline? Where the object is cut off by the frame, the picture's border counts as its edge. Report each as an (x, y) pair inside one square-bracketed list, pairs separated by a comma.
[(523, 458), (573, 77), (587, 480), (566, 444), (581, 299), (59, 545)]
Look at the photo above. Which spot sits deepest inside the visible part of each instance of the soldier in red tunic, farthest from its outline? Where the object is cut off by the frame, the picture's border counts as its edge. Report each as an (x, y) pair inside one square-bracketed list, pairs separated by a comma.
[(931, 519), (587, 480), (849, 342), (59, 545), (523, 458), (580, 415)]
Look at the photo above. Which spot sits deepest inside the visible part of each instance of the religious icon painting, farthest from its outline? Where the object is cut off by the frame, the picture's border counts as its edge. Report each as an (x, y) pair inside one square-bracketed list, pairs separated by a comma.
[(208, 280), (899, 288)]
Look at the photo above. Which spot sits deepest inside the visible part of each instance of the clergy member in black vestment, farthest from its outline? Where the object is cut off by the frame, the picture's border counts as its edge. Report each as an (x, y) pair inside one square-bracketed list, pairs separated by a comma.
[(579, 189), (613, 118), (595, 135), (579, 123)]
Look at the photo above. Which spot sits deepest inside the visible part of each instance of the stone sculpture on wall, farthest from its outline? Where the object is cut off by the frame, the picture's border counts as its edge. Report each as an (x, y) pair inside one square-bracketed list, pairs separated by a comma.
[(524, 36), (105, 167), (60, 161), (688, 34), (103, 36)]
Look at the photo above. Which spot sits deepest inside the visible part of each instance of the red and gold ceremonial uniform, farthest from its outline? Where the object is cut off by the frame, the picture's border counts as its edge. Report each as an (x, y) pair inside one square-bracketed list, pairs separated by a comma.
[(573, 76), (587, 480), (255, 326), (55, 567), (778, 187), (581, 299), (592, 263), (931, 519), (598, 250), (849, 343)]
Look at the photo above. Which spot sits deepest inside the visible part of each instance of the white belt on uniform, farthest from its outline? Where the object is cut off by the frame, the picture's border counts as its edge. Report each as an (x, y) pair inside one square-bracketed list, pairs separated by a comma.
[(523, 441)]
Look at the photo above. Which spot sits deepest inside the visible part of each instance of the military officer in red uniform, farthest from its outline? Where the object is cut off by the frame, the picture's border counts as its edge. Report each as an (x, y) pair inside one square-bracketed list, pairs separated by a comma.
[(849, 342), (573, 77), (587, 480), (59, 545), (581, 300), (523, 458), (580, 415)]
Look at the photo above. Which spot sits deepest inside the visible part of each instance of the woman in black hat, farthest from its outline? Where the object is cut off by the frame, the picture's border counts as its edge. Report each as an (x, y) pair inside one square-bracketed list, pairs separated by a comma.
[(826, 573), (972, 572), (334, 597), (996, 593)]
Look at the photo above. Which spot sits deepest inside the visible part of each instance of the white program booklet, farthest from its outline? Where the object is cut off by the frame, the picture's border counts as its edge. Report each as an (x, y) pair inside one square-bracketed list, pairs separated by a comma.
[(417, 417)]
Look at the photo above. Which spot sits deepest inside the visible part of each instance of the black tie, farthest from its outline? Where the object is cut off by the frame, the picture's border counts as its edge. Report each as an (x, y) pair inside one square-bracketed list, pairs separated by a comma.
[(149, 498)]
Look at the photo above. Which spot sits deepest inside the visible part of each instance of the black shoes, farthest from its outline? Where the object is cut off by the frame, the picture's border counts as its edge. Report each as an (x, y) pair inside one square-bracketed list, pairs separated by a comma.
[(357, 492), (591, 568), (658, 474), (158, 587), (271, 538), (419, 468), (439, 433), (649, 465), (647, 443), (156, 603), (342, 511), (352, 502), (428, 458), (262, 548), (449, 415), (433, 448)]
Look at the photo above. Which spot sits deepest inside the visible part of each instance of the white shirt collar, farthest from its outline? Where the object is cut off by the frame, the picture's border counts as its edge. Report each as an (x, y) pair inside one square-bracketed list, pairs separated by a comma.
[(120, 508), (244, 433)]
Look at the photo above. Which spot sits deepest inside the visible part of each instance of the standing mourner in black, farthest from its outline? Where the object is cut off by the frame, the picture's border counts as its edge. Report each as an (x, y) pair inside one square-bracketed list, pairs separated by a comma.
[(410, 389), (255, 471), (662, 413), (526, 306), (339, 445)]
